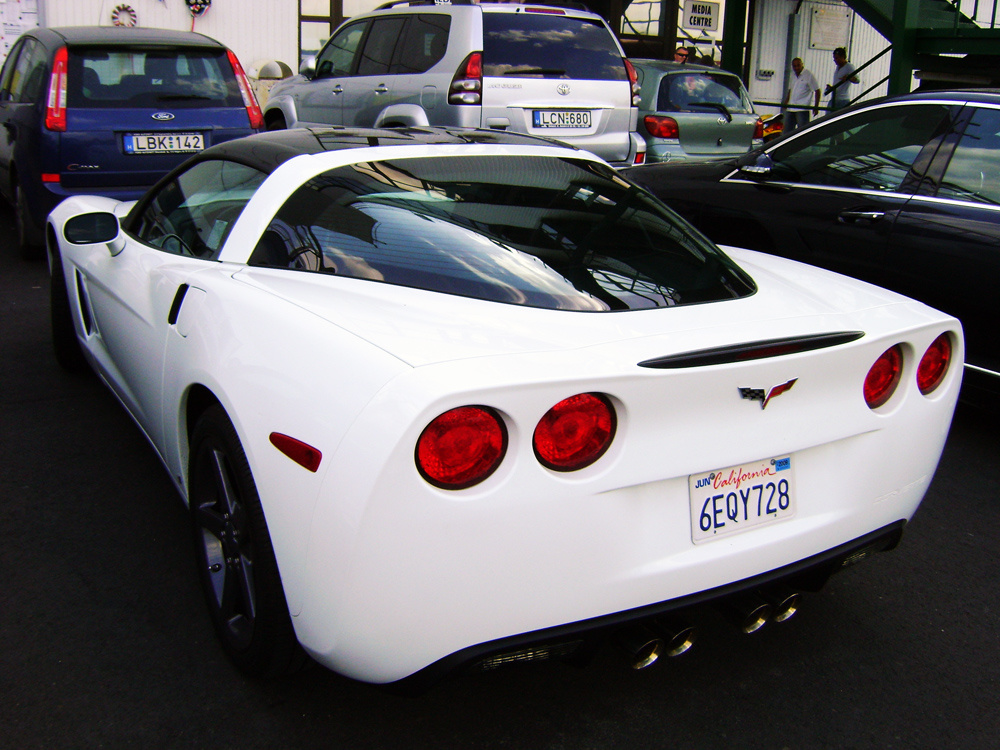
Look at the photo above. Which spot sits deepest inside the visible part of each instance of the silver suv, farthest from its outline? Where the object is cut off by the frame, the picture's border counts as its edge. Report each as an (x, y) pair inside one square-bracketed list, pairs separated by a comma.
[(548, 71)]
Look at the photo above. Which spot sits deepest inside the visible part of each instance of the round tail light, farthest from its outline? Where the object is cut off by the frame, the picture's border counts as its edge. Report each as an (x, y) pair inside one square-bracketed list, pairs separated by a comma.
[(575, 432), (461, 447), (934, 364), (883, 377)]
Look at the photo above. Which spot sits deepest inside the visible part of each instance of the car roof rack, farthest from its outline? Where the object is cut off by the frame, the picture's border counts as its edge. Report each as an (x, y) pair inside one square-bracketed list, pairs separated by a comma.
[(570, 4), (394, 3)]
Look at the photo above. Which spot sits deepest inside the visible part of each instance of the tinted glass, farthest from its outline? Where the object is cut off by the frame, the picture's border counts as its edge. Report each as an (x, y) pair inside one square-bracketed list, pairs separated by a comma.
[(337, 57), (872, 150), (424, 43), (973, 173), (193, 214), (701, 92), (379, 46), (537, 45), (29, 73), (554, 233), (178, 77)]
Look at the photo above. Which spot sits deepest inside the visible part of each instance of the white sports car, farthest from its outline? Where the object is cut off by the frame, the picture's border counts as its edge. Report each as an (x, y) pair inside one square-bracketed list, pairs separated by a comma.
[(451, 398)]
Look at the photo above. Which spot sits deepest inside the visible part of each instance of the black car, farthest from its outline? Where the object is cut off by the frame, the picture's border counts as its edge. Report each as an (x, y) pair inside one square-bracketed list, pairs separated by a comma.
[(901, 192)]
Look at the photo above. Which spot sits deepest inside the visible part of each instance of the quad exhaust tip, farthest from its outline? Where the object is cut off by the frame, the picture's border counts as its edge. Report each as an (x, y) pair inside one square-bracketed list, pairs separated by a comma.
[(784, 602), (642, 645), (646, 644), (752, 611)]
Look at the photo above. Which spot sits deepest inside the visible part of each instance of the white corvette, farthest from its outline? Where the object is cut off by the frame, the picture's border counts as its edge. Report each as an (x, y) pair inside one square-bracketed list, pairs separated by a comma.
[(447, 398)]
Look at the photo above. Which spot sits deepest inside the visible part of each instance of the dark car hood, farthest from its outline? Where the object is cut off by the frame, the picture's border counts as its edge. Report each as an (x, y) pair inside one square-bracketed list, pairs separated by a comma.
[(654, 176)]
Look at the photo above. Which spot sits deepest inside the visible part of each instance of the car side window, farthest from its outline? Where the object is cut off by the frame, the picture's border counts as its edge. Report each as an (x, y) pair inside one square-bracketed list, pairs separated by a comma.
[(379, 46), (29, 73), (423, 44), (872, 150), (193, 214), (9, 66), (973, 173), (337, 57)]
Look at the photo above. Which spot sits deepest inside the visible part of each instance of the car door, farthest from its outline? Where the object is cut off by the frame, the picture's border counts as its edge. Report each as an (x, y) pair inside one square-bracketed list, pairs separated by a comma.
[(369, 90), (712, 110), (131, 300), (320, 100), (945, 246), (21, 84), (829, 195)]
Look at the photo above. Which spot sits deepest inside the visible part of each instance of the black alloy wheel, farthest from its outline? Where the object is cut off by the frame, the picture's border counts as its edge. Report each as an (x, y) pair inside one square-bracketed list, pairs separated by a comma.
[(236, 563)]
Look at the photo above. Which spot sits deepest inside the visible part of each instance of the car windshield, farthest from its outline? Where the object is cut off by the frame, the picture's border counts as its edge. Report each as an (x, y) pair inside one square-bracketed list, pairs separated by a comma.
[(539, 45), (702, 92), (103, 77), (556, 233)]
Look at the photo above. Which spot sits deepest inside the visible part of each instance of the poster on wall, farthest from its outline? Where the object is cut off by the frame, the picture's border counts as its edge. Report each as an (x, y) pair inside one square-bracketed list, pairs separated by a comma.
[(830, 28), (18, 16)]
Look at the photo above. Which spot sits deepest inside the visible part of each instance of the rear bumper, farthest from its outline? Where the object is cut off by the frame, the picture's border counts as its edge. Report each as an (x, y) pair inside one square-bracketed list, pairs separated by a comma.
[(580, 639)]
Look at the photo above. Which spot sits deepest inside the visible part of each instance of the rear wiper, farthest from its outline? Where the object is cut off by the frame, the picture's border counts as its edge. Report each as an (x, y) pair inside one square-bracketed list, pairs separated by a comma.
[(535, 72), (714, 105)]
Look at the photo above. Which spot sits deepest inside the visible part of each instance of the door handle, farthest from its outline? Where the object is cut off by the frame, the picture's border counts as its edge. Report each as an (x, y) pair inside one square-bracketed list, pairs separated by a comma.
[(381, 89), (338, 89), (847, 217)]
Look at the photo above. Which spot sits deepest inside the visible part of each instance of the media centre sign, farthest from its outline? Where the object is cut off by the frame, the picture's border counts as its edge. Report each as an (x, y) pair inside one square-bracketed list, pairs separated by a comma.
[(701, 16)]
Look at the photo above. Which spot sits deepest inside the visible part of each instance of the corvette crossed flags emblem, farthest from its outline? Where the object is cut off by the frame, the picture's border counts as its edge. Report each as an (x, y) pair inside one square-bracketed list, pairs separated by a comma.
[(758, 394)]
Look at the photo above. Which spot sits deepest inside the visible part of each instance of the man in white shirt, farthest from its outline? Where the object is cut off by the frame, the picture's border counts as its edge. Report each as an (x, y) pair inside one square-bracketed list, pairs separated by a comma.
[(800, 98), (840, 97)]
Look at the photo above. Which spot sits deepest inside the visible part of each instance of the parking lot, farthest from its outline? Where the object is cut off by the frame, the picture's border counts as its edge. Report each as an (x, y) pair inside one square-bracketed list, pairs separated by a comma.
[(106, 641)]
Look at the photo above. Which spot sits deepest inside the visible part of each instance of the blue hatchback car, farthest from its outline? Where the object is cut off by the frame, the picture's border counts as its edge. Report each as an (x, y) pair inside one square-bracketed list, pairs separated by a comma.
[(110, 110)]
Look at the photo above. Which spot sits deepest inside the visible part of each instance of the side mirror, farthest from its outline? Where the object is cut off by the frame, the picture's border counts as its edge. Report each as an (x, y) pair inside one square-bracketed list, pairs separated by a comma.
[(308, 67), (95, 228), (756, 165)]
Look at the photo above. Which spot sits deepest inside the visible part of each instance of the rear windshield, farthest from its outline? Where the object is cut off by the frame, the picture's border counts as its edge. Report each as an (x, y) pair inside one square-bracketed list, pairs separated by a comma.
[(565, 234), (702, 92), (177, 77), (536, 45)]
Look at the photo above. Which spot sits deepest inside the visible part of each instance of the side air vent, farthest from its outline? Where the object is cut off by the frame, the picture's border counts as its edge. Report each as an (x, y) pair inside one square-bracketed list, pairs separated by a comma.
[(751, 350)]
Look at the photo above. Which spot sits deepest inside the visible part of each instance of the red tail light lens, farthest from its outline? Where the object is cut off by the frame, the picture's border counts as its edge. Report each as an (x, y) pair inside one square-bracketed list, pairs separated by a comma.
[(301, 453), (467, 85), (249, 100), (758, 130), (934, 364), (575, 432), (633, 78), (461, 447), (883, 377), (661, 127), (55, 111)]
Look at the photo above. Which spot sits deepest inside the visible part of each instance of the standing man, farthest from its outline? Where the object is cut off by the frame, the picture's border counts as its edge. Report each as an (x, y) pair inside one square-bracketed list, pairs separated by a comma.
[(804, 92), (840, 97), (681, 55)]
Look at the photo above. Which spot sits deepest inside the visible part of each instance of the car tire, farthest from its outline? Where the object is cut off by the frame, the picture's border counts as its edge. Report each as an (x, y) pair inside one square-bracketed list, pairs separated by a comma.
[(29, 248), (236, 562), (67, 348)]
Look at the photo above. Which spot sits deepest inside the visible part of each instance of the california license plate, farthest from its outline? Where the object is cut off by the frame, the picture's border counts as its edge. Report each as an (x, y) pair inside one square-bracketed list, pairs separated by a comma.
[(560, 118), (728, 501), (163, 143)]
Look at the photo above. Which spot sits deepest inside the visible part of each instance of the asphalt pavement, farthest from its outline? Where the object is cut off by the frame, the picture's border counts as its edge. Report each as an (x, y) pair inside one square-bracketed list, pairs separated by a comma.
[(105, 641)]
